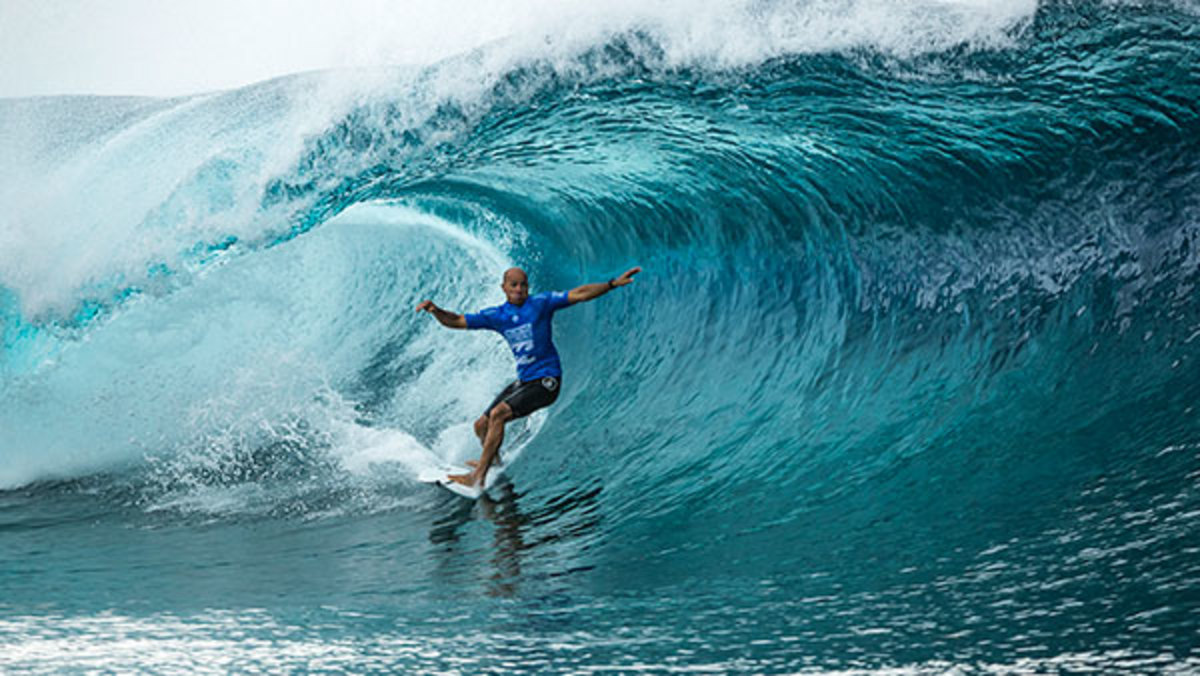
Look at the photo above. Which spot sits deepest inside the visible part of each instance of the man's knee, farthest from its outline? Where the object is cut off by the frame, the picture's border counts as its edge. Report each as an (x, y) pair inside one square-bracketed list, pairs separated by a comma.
[(500, 414), (481, 424)]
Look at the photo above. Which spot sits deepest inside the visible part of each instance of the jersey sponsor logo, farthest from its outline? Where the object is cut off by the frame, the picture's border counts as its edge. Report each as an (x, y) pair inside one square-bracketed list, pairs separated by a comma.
[(520, 338), (549, 383)]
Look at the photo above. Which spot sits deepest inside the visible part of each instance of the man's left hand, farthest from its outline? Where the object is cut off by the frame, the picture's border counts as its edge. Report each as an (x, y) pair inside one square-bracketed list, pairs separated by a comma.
[(626, 277)]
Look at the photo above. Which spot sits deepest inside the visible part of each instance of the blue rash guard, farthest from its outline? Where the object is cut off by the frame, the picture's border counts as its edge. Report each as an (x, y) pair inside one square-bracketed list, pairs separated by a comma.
[(527, 330)]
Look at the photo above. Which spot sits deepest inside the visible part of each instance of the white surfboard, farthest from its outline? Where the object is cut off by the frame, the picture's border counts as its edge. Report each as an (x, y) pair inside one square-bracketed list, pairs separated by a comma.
[(440, 476)]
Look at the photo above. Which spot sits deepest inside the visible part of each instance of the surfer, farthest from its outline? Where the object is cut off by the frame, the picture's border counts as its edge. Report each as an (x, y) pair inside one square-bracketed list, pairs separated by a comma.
[(524, 321)]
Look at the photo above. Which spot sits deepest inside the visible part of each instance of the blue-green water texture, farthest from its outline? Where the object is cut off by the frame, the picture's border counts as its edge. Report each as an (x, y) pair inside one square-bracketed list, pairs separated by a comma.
[(908, 383)]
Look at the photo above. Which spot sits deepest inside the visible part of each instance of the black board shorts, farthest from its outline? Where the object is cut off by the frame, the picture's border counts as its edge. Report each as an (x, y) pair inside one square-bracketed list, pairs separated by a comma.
[(526, 397)]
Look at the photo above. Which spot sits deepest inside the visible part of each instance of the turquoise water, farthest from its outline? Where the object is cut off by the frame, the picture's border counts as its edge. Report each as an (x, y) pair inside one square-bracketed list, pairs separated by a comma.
[(908, 382)]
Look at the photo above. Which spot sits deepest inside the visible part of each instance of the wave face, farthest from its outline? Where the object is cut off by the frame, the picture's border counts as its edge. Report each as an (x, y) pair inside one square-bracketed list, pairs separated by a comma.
[(908, 380)]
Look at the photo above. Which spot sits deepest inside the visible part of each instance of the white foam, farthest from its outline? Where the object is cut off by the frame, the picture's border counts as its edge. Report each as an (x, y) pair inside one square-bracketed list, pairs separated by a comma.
[(364, 451), (250, 353), (192, 173), (215, 44)]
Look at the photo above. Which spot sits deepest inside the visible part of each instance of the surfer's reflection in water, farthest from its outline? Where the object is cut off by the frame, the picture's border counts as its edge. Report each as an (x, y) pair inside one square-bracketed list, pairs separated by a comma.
[(566, 517), (505, 514)]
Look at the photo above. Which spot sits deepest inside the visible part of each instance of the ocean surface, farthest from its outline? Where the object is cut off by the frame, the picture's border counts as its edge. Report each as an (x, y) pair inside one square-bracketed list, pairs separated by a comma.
[(908, 383)]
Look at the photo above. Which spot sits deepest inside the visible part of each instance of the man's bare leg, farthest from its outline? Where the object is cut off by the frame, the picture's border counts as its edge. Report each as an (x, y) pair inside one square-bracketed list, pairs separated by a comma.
[(497, 419), (481, 426)]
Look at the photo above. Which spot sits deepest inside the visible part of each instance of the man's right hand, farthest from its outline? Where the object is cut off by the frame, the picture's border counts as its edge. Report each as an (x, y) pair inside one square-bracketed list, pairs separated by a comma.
[(447, 319)]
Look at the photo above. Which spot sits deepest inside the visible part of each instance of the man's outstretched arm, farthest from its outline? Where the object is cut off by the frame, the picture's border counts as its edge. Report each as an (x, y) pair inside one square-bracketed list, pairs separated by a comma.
[(589, 291), (450, 319)]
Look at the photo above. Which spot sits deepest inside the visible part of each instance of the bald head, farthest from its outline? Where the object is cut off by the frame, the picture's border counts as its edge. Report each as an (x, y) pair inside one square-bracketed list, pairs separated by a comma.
[(516, 286), (515, 274)]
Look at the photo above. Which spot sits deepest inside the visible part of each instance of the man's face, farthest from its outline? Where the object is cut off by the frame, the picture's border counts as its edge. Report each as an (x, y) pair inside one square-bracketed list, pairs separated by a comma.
[(516, 287)]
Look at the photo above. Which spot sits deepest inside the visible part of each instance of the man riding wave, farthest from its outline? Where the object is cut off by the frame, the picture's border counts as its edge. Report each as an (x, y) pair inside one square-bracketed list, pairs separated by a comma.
[(524, 321)]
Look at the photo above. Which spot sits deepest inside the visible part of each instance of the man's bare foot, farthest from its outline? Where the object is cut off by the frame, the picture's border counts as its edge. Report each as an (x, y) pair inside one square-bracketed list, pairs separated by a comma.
[(464, 479)]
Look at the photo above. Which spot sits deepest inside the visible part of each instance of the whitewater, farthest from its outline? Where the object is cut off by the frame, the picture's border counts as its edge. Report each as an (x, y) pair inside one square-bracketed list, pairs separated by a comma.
[(907, 384)]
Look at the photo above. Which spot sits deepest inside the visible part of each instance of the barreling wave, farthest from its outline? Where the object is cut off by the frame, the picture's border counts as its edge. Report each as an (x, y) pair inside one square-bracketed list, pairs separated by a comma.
[(942, 248)]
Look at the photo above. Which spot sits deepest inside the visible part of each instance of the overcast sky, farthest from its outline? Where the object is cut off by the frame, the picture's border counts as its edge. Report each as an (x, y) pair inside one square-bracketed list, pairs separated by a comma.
[(169, 47)]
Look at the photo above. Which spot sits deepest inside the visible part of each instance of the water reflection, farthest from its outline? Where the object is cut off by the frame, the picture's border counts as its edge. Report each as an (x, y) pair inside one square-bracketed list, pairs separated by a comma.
[(515, 532)]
